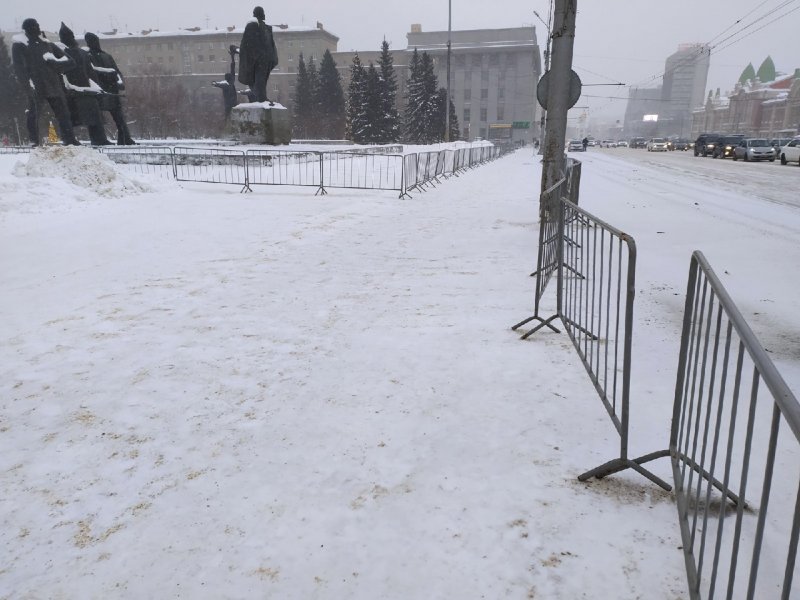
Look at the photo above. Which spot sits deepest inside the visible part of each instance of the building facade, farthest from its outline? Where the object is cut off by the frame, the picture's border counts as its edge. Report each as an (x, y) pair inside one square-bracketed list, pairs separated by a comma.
[(666, 110), (760, 109)]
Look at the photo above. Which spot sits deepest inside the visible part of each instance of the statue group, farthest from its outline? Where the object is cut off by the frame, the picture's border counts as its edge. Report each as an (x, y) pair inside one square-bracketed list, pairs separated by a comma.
[(258, 56), (77, 84)]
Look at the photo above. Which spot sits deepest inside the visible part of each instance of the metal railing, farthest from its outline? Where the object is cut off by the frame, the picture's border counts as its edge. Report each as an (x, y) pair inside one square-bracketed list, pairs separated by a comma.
[(353, 170), (15, 149), (155, 161), (211, 165), (730, 404), (270, 167)]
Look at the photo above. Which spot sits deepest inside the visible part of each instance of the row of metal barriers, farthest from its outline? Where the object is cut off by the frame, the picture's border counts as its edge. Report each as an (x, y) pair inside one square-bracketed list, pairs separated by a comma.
[(736, 478), (364, 169)]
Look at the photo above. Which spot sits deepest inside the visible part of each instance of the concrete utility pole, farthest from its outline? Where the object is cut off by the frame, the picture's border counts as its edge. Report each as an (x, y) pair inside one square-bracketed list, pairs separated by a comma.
[(563, 39)]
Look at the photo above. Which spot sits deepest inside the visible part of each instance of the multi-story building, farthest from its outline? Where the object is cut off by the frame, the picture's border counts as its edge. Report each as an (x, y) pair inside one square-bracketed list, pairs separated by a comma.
[(669, 106), (754, 108), (493, 77)]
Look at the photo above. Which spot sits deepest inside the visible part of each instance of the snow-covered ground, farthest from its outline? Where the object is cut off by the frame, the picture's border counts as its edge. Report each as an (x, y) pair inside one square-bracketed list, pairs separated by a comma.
[(214, 395)]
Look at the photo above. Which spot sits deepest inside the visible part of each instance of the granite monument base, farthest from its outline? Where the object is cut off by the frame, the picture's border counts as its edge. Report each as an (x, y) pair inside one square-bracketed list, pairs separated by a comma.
[(261, 123)]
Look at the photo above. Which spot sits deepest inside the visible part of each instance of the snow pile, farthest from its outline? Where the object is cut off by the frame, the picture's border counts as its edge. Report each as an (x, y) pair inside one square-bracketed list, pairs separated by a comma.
[(83, 167)]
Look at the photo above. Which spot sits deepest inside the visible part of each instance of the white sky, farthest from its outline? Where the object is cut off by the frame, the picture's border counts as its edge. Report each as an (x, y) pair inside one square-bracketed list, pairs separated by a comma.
[(616, 40)]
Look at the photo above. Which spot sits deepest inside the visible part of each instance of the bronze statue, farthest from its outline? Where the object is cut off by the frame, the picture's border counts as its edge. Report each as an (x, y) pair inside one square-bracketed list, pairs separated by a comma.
[(38, 66), (82, 90), (257, 55), (109, 77)]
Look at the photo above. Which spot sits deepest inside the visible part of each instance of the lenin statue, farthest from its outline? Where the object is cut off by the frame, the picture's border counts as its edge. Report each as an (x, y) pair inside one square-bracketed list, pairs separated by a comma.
[(257, 55)]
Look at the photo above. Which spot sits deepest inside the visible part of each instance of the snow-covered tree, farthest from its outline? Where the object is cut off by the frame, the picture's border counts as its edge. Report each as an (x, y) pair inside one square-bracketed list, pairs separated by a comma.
[(440, 123), (356, 102), (301, 109), (422, 108), (330, 100)]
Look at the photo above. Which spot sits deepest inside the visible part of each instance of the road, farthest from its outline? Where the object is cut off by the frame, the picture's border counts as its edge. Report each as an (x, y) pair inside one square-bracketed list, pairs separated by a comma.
[(768, 181)]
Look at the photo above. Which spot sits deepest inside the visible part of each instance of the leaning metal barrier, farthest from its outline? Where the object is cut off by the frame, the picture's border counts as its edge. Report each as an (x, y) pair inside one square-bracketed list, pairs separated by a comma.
[(211, 165), (362, 171), (730, 404), (15, 149), (143, 160), (597, 285), (270, 167), (409, 173)]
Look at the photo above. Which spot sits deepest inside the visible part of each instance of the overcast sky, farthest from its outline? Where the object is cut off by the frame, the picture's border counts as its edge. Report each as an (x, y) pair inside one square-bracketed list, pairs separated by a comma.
[(616, 40)]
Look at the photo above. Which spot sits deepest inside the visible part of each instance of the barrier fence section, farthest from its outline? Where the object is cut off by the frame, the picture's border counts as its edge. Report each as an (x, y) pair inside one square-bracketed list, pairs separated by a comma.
[(270, 167), (155, 161), (548, 255), (15, 149), (409, 173), (211, 165), (362, 171), (597, 288), (730, 405)]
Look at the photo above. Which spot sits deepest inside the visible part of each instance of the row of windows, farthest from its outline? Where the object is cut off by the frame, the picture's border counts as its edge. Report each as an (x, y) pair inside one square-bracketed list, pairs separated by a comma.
[(484, 113)]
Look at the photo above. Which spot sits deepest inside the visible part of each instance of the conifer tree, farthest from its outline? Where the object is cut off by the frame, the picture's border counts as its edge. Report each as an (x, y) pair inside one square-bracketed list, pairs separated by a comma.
[(313, 122), (330, 99), (413, 122), (431, 93), (302, 101), (440, 123), (388, 129), (356, 99), (372, 105), (12, 97)]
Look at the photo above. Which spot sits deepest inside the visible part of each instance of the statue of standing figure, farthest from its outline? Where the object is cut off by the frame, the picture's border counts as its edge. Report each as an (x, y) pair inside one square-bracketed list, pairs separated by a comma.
[(38, 66), (109, 77), (82, 91), (257, 55)]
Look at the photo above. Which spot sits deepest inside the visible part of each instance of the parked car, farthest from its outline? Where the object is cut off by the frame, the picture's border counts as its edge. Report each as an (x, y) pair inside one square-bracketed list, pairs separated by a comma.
[(622, 144), (680, 144), (705, 143), (575, 146), (754, 149), (791, 152), (638, 142), (608, 144), (657, 145), (592, 142), (724, 147), (779, 143)]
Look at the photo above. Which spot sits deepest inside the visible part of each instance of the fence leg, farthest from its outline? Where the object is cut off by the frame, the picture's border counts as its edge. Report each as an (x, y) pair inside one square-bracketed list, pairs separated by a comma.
[(620, 464), (542, 323), (321, 191), (246, 189)]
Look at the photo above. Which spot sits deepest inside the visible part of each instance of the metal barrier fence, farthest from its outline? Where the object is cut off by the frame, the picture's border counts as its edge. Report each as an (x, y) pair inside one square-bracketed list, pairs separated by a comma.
[(211, 165), (155, 161), (270, 167), (724, 441), (362, 171), (15, 149)]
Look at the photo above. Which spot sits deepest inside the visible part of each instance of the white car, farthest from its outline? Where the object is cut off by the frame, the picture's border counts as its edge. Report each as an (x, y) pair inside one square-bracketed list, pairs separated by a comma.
[(657, 145), (622, 144), (575, 146), (790, 152)]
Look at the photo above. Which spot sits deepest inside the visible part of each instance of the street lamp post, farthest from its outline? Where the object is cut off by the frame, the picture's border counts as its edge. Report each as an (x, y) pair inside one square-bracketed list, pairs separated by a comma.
[(447, 102)]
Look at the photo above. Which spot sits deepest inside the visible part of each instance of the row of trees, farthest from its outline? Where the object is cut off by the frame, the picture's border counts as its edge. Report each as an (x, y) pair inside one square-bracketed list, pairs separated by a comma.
[(370, 116)]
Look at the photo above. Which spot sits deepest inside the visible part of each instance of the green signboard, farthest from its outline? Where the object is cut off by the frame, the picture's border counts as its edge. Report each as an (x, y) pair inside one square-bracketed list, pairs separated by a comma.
[(521, 125)]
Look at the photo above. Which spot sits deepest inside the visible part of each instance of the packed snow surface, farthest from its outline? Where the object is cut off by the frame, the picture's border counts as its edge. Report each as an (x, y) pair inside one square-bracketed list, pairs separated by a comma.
[(207, 394)]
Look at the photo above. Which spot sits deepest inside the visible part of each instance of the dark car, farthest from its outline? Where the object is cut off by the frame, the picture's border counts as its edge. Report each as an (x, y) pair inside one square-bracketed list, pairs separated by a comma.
[(705, 143), (680, 144), (724, 147), (638, 142)]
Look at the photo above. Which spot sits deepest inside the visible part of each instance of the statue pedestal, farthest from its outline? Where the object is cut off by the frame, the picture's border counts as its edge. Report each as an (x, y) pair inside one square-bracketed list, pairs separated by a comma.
[(261, 123)]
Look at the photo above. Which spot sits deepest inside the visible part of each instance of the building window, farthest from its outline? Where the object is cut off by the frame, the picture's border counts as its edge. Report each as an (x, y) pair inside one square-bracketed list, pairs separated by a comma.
[(289, 57), (169, 46), (484, 76), (467, 94), (171, 59), (501, 93), (494, 60), (459, 60), (160, 59), (501, 112), (483, 132), (149, 59), (199, 58), (211, 58), (485, 94), (483, 116), (466, 115)]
